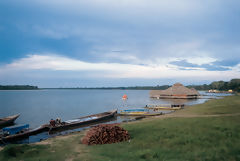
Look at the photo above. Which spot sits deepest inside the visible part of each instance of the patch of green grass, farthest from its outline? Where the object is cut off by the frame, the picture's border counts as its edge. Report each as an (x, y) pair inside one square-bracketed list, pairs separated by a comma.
[(227, 105), (176, 139), (212, 138), (58, 150), (25, 152)]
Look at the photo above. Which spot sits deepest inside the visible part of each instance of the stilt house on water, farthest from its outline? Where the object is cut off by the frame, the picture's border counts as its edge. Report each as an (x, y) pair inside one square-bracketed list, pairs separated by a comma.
[(177, 91)]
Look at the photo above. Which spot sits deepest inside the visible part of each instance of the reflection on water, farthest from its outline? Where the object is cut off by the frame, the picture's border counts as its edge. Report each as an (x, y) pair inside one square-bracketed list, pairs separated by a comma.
[(37, 107)]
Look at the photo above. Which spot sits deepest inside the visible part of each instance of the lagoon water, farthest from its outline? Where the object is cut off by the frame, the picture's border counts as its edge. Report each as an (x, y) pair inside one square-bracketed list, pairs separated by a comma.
[(39, 106)]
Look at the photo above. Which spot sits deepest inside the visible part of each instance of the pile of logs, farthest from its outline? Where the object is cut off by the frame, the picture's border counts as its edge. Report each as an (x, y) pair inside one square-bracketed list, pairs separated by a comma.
[(105, 134)]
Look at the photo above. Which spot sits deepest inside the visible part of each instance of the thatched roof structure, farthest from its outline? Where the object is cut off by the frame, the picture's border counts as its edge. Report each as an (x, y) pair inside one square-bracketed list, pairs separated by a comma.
[(176, 91)]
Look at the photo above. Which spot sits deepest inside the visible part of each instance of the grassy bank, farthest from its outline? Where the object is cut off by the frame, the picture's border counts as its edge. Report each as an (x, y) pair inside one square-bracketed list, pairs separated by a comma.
[(60, 148), (172, 137), (228, 105)]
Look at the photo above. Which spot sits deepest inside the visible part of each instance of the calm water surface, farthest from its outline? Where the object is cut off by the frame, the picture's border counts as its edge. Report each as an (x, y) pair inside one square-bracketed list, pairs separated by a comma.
[(39, 106)]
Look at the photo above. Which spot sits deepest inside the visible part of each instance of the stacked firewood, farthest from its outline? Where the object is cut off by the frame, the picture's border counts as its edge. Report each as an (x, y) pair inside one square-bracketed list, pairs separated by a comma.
[(105, 134)]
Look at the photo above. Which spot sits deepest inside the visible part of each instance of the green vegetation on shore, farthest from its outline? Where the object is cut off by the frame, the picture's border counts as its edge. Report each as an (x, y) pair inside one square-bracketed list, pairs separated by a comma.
[(121, 88), (234, 85), (181, 138), (183, 135), (17, 87), (176, 139)]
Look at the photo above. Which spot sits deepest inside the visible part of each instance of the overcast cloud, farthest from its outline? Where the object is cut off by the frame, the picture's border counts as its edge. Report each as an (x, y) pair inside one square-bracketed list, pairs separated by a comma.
[(103, 41)]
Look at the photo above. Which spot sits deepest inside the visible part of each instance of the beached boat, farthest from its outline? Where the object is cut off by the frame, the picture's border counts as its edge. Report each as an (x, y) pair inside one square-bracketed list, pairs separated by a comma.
[(135, 110), (138, 112), (165, 107), (22, 131), (83, 121), (18, 132), (8, 120)]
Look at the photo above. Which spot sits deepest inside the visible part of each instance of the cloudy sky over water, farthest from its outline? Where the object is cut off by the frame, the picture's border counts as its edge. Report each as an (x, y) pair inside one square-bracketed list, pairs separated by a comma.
[(94, 43)]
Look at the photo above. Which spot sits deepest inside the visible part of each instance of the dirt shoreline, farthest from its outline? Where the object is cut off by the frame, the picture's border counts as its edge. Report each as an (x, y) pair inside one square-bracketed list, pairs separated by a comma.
[(49, 141)]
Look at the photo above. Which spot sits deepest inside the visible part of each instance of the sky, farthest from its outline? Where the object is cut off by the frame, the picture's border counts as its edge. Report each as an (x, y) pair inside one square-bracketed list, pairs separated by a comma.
[(106, 43)]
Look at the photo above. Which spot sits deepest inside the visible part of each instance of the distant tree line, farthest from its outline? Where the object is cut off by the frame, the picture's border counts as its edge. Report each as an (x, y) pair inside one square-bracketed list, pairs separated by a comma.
[(122, 88), (233, 84), (139, 87), (17, 87)]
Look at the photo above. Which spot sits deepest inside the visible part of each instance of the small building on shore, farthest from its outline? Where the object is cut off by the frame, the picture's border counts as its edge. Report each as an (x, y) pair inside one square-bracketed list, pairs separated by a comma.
[(177, 91)]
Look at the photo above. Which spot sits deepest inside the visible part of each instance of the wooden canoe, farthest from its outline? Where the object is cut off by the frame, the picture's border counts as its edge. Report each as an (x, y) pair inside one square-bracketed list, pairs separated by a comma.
[(8, 120), (83, 121), (139, 113), (70, 124), (164, 108), (24, 134)]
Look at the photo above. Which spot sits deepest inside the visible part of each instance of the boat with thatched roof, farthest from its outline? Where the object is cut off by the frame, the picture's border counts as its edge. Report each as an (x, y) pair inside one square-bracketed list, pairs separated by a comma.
[(177, 91)]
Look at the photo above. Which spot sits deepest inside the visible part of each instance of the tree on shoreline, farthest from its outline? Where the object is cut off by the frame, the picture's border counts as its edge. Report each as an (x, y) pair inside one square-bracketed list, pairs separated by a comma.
[(17, 87), (233, 84)]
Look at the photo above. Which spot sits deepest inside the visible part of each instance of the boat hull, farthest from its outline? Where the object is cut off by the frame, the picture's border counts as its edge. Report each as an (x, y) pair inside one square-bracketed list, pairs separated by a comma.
[(24, 134), (8, 120), (165, 108), (47, 127), (101, 117), (139, 114)]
